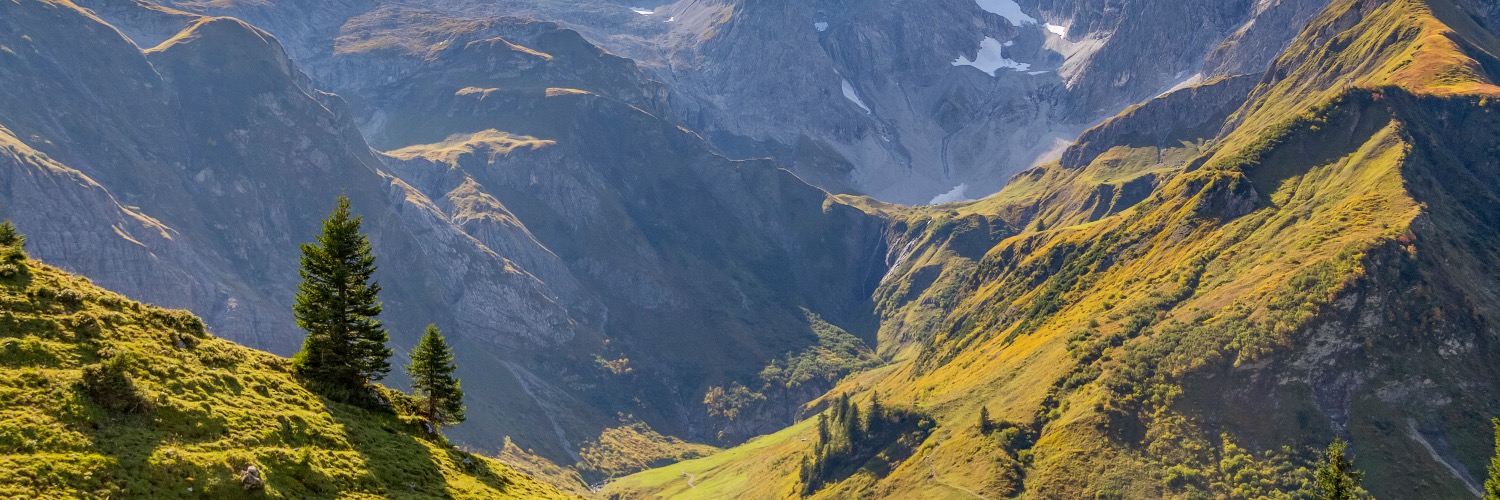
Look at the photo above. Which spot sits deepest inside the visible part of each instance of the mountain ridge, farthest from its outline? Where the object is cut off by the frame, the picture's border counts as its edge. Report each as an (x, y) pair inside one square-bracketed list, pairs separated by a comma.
[(1296, 276)]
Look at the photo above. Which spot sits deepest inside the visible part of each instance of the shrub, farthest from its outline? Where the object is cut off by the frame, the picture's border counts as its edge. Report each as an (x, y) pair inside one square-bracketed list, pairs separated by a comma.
[(71, 296), (13, 255), (108, 384), (85, 326), (179, 319), (9, 270), (44, 293)]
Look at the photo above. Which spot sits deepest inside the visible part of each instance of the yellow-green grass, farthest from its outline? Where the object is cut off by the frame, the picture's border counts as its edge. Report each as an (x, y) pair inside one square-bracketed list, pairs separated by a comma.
[(212, 408), (756, 469)]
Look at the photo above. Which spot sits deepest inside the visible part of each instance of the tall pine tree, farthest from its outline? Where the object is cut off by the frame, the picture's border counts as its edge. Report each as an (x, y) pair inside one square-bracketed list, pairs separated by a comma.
[(1336, 478), (439, 400), (337, 304), (1492, 486)]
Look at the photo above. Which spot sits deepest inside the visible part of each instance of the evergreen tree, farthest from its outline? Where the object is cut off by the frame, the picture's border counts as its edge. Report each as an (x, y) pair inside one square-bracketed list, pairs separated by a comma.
[(1492, 486), (875, 422), (337, 303), (1336, 478), (439, 399), (9, 237), (12, 243), (852, 432), (822, 429), (984, 420)]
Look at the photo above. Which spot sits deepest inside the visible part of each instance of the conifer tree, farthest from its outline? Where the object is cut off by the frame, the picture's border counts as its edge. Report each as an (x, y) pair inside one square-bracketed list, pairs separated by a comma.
[(984, 420), (1336, 478), (439, 399), (337, 303), (852, 432), (823, 429), (1492, 486), (12, 243), (875, 422), (9, 237)]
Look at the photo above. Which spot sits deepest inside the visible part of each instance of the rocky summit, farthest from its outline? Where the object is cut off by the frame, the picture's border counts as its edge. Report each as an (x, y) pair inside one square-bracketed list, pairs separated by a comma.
[(750, 248)]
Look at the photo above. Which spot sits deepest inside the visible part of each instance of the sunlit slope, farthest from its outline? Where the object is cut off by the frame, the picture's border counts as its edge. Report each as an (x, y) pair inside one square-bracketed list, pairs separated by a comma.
[(1319, 265), (195, 413)]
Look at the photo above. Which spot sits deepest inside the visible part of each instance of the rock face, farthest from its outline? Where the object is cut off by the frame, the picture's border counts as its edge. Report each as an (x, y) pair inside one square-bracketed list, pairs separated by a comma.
[(588, 258), (860, 97), (901, 98)]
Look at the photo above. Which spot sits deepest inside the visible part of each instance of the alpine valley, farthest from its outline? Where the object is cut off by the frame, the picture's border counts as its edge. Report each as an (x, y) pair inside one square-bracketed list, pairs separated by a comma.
[(758, 248)]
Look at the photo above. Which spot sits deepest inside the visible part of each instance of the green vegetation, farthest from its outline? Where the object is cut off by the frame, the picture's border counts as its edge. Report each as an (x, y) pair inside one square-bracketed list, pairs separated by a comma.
[(1179, 343), (337, 303), (783, 381), (12, 251), (632, 447), (9, 237), (1337, 479), (1492, 485), (849, 440), (440, 402), (103, 397)]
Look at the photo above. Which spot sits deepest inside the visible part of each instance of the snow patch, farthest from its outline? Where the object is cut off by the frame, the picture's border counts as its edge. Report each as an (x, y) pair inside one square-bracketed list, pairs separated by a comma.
[(1197, 78), (820, 26), (1007, 9), (853, 97), (956, 195), (642, 11), (1060, 31), (990, 58)]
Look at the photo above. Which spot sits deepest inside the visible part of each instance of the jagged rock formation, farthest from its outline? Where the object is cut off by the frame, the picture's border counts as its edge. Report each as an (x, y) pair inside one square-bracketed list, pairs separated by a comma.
[(867, 98)]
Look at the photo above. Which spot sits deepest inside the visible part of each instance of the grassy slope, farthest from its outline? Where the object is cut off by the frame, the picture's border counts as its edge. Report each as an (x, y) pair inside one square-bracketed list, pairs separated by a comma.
[(1125, 340), (216, 407)]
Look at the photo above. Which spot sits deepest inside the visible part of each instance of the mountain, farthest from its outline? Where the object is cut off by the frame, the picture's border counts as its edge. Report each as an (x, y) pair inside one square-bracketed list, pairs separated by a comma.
[(108, 397), (855, 97), (1203, 293), (1268, 224), (593, 280)]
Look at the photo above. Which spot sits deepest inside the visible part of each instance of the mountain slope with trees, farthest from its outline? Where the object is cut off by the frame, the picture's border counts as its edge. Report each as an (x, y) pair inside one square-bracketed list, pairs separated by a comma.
[(1203, 315), (102, 396), (588, 260)]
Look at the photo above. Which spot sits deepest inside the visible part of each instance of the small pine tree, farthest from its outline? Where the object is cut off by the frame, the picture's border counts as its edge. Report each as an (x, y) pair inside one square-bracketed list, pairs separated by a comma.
[(875, 421), (337, 304), (12, 243), (1492, 486), (9, 237), (439, 399), (985, 426), (1336, 478)]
